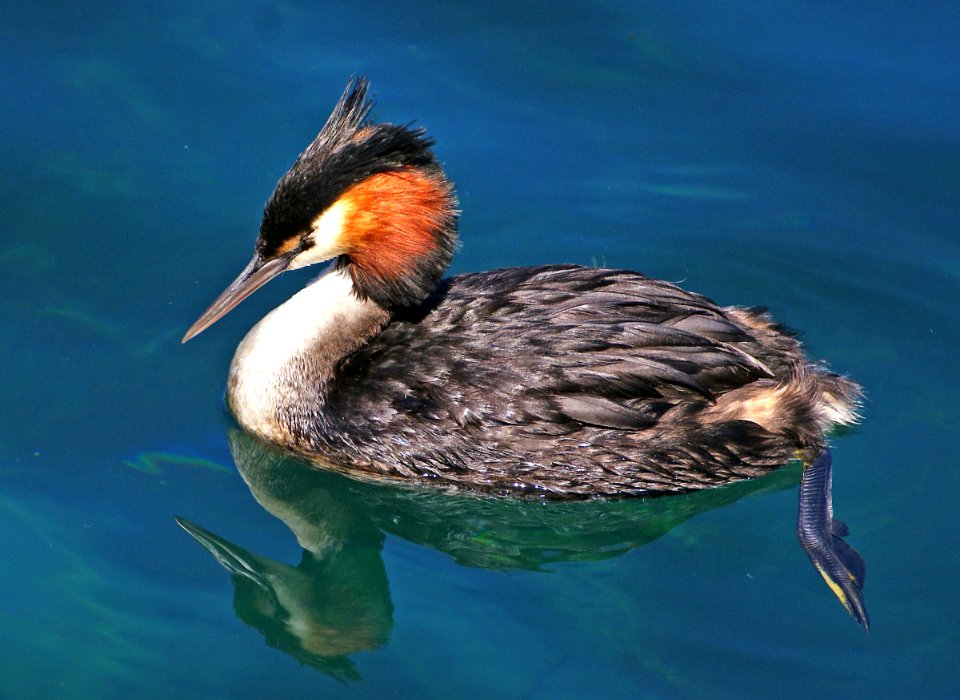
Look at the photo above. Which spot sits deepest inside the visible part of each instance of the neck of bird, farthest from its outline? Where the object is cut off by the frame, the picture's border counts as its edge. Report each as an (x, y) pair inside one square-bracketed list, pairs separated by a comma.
[(284, 365), (394, 233)]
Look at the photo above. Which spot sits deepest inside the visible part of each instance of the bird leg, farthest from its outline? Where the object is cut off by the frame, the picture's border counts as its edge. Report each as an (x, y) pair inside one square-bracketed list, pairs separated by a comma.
[(821, 535)]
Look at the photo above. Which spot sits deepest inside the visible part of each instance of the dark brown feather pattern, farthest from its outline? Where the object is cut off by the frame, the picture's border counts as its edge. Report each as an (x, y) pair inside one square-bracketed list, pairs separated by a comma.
[(565, 381)]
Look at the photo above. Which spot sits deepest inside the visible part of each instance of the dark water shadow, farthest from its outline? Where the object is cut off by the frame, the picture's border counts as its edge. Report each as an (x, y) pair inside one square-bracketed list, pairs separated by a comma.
[(336, 601)]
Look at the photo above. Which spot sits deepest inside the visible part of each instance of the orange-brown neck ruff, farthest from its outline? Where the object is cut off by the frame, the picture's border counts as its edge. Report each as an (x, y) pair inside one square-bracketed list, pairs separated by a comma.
[(400, 234)]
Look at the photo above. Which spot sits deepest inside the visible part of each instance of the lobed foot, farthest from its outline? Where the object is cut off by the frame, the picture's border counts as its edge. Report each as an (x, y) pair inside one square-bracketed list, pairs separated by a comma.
[(821, 535)]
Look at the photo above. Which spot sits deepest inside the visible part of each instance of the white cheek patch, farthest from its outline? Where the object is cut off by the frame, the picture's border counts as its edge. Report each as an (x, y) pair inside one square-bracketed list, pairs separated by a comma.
[(326, 236)]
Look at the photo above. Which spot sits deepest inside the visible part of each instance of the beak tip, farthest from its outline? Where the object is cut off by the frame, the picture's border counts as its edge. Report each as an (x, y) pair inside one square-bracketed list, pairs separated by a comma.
[(191, 333), (257, 273)]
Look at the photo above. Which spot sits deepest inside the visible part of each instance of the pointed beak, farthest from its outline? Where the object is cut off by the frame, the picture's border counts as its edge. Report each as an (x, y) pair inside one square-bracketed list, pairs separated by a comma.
[(256, 274), (239, 562)]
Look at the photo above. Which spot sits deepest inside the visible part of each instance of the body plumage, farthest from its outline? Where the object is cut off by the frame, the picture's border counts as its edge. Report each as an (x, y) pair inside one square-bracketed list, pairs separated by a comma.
[(564, 381)]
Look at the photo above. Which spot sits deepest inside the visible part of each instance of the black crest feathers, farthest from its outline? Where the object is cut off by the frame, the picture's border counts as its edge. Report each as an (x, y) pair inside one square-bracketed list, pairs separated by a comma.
[(348, 149)]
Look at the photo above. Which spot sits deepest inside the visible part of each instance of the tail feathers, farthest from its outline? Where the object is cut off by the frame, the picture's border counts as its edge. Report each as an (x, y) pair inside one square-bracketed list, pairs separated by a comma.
[(838, 399), (802, 406)]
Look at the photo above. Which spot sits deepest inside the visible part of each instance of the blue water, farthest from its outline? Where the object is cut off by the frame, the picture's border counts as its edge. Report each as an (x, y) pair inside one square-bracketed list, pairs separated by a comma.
[(804, 156)]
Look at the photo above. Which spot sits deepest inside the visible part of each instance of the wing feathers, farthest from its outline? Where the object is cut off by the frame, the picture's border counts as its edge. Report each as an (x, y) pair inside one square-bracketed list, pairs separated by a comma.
[(554, 347)]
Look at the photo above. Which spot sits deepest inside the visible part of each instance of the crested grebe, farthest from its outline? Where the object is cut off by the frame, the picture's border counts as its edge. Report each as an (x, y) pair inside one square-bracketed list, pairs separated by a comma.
[(557, 380)]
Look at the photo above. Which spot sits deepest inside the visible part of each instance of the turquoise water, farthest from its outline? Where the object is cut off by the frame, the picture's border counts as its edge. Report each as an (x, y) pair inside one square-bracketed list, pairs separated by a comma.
[(800, 156)]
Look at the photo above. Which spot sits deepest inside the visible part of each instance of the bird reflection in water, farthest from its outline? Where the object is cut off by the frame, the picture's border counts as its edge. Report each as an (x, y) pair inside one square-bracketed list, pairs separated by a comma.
[(336, 602)]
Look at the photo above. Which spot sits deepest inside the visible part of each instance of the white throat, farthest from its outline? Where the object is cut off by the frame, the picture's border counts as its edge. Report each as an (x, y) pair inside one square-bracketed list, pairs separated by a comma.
[(284, 363)]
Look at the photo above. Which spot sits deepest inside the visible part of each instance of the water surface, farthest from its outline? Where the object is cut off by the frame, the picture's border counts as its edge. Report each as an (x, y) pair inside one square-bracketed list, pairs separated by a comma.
[(800, 157)]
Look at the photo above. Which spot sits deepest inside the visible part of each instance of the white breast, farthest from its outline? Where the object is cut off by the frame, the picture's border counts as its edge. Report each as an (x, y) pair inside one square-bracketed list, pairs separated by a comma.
[(265, 375)]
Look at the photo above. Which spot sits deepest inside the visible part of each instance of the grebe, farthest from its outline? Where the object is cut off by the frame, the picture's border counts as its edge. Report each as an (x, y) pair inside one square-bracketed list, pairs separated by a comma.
[(558, 380)]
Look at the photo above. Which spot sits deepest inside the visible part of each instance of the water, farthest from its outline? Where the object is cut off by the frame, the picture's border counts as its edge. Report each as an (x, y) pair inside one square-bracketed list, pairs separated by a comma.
[(799, 156)]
